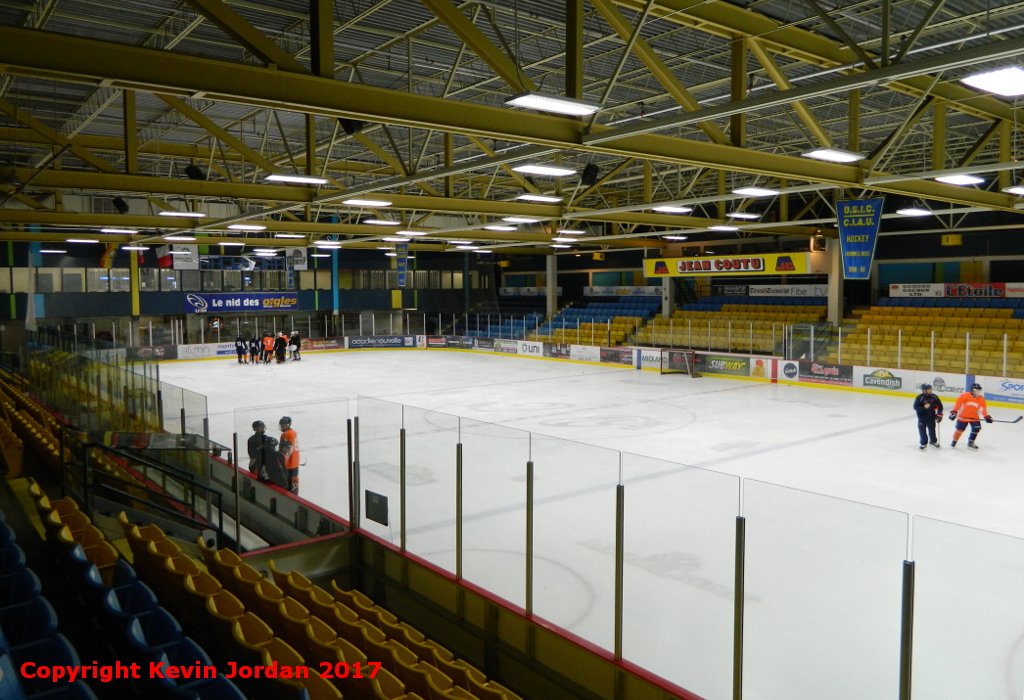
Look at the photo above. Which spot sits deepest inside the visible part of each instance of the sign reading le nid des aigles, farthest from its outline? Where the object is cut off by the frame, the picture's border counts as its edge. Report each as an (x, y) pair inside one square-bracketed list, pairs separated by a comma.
[(256, 301), (858, 233)]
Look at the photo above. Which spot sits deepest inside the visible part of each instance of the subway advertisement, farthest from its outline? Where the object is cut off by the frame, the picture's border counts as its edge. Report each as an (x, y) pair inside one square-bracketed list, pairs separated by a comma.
[(723, 364), (733, 266)]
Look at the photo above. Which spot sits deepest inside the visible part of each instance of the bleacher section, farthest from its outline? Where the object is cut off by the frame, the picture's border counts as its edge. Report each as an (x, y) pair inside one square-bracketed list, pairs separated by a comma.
[(509, 319), (29, 631), (986, 320), (739, 324), (599, 321)]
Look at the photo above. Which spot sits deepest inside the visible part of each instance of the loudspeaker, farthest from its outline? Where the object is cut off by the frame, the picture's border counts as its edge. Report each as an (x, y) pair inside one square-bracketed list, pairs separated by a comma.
[(351, 126), (589, 176), (120, 205), (194, 172)]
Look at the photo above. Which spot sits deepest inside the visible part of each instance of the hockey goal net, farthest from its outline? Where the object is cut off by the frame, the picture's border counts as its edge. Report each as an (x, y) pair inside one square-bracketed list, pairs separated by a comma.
[(678, 362)]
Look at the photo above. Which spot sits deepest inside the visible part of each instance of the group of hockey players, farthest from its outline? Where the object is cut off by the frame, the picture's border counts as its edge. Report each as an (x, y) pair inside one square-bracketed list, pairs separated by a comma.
[(970, 409), (261, 350), (273, 460)]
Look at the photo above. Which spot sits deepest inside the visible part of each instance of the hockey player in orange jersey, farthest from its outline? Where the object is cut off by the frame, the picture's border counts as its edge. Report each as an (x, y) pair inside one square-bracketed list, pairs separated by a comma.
[(970, 409)]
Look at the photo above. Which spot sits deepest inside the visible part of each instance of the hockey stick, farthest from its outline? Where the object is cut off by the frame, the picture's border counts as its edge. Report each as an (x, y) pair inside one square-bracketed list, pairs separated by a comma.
[(1018, 419)]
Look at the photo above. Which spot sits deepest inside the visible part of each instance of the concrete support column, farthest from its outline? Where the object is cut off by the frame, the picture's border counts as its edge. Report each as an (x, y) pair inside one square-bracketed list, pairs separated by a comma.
[(668, 286), (835, 283), (551, 281)]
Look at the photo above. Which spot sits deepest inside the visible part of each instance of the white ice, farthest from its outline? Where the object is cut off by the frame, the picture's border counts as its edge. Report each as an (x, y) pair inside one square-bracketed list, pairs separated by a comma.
[(823, 571)]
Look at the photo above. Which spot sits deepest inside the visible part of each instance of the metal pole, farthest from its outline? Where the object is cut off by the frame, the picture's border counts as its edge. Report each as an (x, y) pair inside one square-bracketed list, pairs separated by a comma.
[(907, 631), (620, 558), (401, 488), (689, 334), (728, 335), (738, 608), (899, 348), (967, 354), (839, 352), (183, 414), (202, 330), (751, 337), (931, 364), (609, 333), (238, 509), (351, 491), (356, 485), (1004, 353), (373, 323), (529, 537), (869, 347), (458, 511), (709, 335), (360, 324), (391, 323)]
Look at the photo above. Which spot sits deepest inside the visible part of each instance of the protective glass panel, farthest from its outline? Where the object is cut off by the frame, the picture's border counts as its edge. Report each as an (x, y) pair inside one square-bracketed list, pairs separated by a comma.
[(494, 461), (380, 425), (968, 613), (679, 573), (574, 536), (318, 448), (195, 413), (823, 596), (430, 445), (172, 401)]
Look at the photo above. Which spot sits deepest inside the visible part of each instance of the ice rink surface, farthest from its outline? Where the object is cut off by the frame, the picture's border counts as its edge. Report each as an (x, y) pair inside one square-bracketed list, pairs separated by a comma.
[(832, 482)]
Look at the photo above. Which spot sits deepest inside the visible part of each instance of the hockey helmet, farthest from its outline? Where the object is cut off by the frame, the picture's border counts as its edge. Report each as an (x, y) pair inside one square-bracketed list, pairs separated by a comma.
[(270, 442), (285, 422), (976, 387), (258, 425), (926, 387)]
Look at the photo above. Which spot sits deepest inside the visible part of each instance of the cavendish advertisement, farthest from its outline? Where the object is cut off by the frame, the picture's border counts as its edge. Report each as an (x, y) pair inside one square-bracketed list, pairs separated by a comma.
[(752, 265), (884, 378), (219, 303)]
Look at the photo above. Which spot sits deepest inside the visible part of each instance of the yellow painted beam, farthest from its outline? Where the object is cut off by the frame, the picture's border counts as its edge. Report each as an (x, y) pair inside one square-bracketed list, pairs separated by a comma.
[(232, 24), (780, 79), (131, 132), (23, 117)]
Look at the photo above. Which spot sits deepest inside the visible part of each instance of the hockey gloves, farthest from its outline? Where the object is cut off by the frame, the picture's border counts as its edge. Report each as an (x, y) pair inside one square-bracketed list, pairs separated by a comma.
[(952, 415), (938, 418), (988, 419)]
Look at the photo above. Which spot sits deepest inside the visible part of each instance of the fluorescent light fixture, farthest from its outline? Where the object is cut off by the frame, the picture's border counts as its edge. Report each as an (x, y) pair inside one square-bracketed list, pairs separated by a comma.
[(179, 252), (183, 214), (179, 238), (412, 233), (128, 231), (319, 255), (560, 245), (553, 103), (385, 247), (546, 170), (562, 239), (265, 250), (288, 235), (673, 210), (723, 228), (485, 250), (328, 244), (960, 180), (266, 255), (710, 252), (675, 238), (570, 232), (1008, 82), (233, 243), (391, 255), (539, 198), (81, 240), (367, 202), (1015, 189), (382, 222), (913, 211), (834, 155), (247, 227), (134, 247), (467, 247), (395, 239), (52, 250), (742, 215), (755, 192), (519, 219), (500, 228), (299, 179)]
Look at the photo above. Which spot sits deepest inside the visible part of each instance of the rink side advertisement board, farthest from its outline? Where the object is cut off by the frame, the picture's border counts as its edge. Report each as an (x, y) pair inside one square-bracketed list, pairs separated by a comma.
[(733, 266), (734, 365), (822, 373), (1002, 389), (377, 342), (959, 290), (255, 301), (858, 220), (884, 378), (558, 350), (617, 356)]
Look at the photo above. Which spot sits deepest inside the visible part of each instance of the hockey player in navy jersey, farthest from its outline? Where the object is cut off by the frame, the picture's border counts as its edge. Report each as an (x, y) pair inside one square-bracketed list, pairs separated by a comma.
[(929, 412)]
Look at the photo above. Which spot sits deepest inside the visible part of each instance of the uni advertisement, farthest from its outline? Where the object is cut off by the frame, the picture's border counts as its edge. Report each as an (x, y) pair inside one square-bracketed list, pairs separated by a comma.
[(859, 220), (733, 266)]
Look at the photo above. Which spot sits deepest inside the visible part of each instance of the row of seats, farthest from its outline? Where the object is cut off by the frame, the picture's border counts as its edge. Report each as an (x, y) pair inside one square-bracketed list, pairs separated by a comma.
[(28, 631), (136, 627), (951, 303), (715, 303)]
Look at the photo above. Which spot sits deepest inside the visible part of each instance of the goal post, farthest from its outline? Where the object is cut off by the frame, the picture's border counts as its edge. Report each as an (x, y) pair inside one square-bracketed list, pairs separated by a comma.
[(677, 362)]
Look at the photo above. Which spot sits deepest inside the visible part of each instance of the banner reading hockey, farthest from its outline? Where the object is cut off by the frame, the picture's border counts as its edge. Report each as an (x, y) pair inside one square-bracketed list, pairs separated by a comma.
[(402, 262), (732, 266), (858, 233)]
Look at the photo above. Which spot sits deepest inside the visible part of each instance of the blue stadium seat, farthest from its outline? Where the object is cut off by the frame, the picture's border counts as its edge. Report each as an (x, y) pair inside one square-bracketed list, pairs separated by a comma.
[(12, 558), (52, 651), (73, 691), (10, 688), (25, 623), (19, 587)]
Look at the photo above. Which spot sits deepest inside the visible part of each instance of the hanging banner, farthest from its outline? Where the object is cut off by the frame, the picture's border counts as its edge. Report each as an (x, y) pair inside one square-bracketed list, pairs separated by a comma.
[(725, 266), (296, 259), (859, 220), (402, 262), (251, 301)]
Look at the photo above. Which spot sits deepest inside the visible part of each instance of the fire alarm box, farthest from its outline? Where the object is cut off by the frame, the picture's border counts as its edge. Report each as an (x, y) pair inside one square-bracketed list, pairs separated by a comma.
[(598, 256)]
